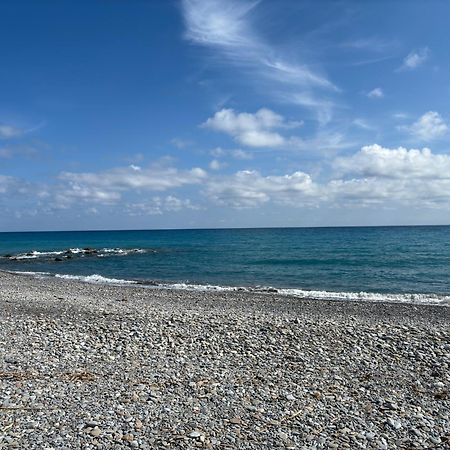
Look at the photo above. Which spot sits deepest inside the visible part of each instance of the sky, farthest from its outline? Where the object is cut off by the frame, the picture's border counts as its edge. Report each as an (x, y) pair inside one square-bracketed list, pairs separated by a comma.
[(143, 114)]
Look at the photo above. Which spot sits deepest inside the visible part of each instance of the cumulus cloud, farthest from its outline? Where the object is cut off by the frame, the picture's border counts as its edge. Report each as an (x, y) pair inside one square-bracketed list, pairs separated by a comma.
[(415, 59), (252, 130), (226, 28), (381, 175), (376, 93), (250, 189), (377, 161), (428, 127), (373, 176)]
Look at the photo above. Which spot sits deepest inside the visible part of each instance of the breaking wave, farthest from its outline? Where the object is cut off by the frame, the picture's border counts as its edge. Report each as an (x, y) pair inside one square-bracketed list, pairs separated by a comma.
[(412, 298), (61, 255)]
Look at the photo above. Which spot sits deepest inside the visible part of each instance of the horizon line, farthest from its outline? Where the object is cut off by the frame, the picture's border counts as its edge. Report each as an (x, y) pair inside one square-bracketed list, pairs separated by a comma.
[(227, 228)]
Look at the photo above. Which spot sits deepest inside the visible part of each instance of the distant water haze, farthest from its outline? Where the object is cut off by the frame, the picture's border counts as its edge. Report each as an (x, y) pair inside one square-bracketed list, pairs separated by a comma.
[(409, 264)]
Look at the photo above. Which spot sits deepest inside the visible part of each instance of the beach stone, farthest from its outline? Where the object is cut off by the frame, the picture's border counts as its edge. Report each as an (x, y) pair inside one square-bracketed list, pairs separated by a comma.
[(95, 432), (155, 371), (195, 434)]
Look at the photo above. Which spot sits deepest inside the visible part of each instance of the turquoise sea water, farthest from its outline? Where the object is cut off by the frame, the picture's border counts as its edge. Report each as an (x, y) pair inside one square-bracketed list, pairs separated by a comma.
[(407, 263)]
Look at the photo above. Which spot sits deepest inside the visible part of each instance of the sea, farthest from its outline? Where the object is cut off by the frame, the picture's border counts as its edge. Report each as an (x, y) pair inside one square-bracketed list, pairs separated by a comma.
[(396, 264)]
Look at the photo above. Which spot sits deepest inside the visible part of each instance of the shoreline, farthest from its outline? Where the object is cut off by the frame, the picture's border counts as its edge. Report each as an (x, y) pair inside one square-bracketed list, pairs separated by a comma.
[(427, 299), (103, 366)]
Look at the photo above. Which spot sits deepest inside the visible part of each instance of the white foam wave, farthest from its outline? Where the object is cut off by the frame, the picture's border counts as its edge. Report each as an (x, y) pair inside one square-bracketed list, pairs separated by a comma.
[(424, 299), (71, 252), (428, 299), (95, 279), (35, 274), (369, 296), (35, 254)]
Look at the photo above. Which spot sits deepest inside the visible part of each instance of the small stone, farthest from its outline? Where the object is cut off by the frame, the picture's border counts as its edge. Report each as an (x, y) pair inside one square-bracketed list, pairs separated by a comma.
[(96, 432), (290, 397), (195, 434), (435, 439), (395, 424), (236, 420), (391, 405), (283, 435), (370, 436)]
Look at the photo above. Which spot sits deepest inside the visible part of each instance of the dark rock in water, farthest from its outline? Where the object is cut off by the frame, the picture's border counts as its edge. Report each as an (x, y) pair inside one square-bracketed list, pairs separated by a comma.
[(68, 252), (69, 256), (29, 254), (89, 251), (58, 259), (7, 256)]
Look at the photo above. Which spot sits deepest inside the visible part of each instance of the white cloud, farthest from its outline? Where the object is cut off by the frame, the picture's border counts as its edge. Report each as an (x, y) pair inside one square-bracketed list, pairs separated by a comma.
[(377, 161), (9, 131), (156, 179), (6, 182), (373, 176), (253, 130), (415, 59), (226, 27), (237, 153), (382, 175), (428, 127), (160, 205), (107, 187), (376, 93), (322, 107), (240, 154), (12, 186), (250, 189), (215, 164), (361, 123)]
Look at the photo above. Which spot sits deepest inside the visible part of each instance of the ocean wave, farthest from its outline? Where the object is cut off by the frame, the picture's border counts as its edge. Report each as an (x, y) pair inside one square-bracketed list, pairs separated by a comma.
[(373, 297), (430, 299), (95, 279), (34, 254), (61, 255)]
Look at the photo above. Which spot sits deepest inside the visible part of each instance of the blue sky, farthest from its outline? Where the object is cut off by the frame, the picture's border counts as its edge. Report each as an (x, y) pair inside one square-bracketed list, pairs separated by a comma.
[(206, 113)]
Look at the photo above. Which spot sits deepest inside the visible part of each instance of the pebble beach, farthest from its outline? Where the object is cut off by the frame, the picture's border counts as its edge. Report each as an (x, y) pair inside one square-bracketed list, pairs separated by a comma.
[(89, 366)]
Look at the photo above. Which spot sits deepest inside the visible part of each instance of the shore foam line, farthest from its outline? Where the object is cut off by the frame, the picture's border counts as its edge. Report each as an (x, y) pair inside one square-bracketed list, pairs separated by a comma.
[(95, 279), (373, 297)]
